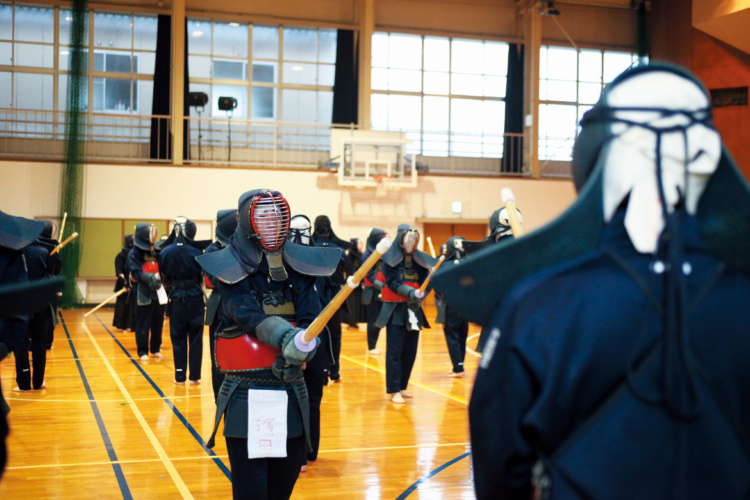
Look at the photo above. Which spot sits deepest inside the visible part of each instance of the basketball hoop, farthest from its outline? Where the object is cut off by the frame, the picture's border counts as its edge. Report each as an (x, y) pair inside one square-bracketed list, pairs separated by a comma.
[(381, 184)]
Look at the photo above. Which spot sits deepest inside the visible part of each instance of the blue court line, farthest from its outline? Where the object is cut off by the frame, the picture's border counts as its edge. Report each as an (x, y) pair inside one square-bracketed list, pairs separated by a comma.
[(169, 403), (102, 428), (411, 489)]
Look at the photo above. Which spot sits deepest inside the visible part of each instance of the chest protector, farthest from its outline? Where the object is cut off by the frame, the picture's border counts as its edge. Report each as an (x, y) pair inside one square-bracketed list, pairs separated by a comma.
[(238, 352), (409, 277)]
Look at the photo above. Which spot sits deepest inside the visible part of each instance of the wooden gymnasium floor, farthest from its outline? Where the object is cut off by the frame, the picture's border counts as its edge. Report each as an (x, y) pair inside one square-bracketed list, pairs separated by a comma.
[(110, 426)]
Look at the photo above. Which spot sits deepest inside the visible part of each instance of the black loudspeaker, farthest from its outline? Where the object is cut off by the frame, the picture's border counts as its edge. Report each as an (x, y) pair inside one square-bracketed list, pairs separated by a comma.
[(227, 103), (197, 99)]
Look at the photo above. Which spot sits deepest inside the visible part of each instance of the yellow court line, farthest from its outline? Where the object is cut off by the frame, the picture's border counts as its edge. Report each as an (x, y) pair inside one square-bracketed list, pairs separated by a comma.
[(418, 384), (181, 486)]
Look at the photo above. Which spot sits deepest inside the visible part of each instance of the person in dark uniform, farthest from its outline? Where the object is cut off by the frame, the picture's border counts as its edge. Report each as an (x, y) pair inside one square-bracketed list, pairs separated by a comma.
[(329, 286), (316, 369), (455, 327), (178, 267), (40, 265), (268, 298), (373, 285), (122, 316), (405, 268), (146, 283), (616, 365), (226, 224), (500, 230), (355, 310), (18, 296), (49, 239)]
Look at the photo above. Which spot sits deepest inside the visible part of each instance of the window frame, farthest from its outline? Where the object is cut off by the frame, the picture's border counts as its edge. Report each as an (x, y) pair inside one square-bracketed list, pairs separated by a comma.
[(423, 141)]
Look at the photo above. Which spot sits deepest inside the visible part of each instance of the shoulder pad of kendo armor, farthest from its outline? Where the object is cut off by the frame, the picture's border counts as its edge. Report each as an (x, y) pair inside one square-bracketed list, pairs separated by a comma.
[(312, 261), (18, 232), (222, 264), (425, 260)]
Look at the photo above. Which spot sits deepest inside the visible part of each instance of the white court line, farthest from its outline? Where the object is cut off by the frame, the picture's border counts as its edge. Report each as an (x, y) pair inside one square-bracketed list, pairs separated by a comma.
[(181, 486)]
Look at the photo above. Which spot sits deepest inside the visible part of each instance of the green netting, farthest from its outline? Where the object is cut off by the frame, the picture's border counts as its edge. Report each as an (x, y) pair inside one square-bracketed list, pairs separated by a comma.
[(73, 173)]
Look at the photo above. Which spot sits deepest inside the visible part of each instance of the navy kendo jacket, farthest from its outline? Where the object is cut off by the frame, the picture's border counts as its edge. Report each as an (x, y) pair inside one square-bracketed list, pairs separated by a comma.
[(571, 376)]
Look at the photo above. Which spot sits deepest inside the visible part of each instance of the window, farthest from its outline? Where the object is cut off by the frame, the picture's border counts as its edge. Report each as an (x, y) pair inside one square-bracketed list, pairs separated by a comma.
[(123, 67), (570, 83), (446, 93), (120, 74), (275, 73), (27, 57)]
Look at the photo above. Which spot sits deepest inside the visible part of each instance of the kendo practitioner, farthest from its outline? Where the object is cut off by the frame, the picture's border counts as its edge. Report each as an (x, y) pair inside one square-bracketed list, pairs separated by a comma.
[(178, 267), (355, 310), (405, 268), (49, 239), (145, 282), (226, 224), (500, 230), (268, 298), (122, 318), (18, 296), (373, 286), (455, 327), (616, 365), (316, 368), (40, 265), (329, 286)]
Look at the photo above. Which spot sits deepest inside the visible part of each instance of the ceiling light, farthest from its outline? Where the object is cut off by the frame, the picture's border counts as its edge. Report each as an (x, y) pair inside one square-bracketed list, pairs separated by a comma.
[(196, 34)]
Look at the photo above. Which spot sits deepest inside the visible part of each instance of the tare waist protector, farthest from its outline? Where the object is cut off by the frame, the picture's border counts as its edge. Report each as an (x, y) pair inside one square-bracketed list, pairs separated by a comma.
[(391, 296)]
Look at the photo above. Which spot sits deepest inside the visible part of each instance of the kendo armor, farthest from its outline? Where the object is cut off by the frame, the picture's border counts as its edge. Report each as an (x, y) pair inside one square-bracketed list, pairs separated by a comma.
[(262, 229)]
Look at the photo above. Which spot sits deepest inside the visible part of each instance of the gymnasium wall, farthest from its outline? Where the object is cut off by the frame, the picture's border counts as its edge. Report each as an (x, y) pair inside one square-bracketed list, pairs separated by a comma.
[(159, 193)]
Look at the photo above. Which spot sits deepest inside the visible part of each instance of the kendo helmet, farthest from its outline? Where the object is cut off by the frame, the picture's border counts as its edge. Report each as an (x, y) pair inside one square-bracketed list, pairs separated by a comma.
[(454, 248), (323, 231), (408, 239), (376, 234), (184, 229), (264, 216), (500, 224), (127, 242), (299, 231), (50, 229), (145, 235), (226, 225)]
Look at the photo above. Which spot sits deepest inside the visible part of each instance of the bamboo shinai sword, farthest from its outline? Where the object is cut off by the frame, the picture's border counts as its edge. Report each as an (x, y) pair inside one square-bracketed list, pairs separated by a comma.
[(67, 240), (352, 282), (510, 206), (120, 292)]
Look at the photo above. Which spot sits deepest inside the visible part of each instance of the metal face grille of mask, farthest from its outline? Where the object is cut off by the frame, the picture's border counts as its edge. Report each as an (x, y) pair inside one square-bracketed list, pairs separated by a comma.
[(410, 241), (152, 234), (269, 218)]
